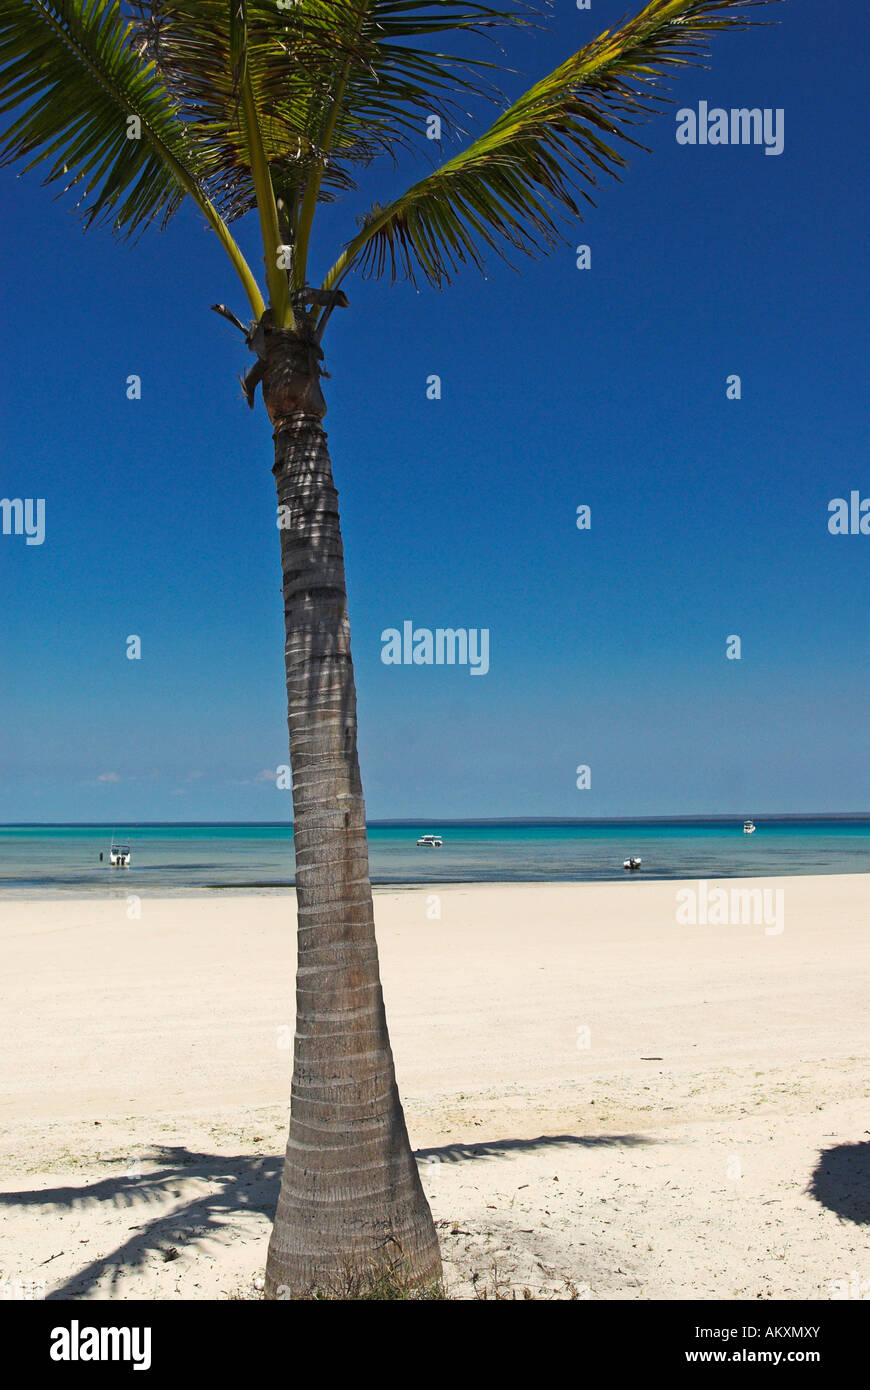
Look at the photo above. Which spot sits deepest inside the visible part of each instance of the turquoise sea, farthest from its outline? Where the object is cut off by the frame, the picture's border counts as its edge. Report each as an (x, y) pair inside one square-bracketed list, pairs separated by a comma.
[(63, 860)]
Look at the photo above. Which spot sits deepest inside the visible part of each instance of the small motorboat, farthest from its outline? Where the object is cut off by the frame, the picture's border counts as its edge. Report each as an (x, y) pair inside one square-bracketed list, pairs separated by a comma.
[(748, 827), (119, 855), (430, 841), (633, 863)]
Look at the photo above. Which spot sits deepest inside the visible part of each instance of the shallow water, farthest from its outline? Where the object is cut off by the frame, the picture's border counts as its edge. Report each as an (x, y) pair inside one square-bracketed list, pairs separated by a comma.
[(63, 861)]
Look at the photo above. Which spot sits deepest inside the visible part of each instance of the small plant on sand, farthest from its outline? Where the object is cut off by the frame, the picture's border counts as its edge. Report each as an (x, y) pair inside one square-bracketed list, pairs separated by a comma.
[(392, 1283)]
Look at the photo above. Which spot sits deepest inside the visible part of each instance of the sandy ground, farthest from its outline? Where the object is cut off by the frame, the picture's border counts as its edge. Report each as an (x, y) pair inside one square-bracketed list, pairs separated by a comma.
[(605, 1104)]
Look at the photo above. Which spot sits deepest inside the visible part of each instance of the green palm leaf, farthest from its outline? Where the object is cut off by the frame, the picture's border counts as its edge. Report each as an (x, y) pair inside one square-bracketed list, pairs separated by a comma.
[(546, 151), (70, 67), (335, 83), (70, 73)]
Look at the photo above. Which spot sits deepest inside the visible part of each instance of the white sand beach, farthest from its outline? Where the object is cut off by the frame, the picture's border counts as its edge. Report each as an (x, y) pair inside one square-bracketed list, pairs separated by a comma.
[(709, 1136)]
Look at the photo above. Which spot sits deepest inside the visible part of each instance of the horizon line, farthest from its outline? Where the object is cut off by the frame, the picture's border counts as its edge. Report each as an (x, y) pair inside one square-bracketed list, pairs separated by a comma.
[(469, 820)]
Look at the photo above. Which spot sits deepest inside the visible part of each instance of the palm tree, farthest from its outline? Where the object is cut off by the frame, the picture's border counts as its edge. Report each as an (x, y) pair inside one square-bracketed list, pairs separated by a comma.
[(274, 106)]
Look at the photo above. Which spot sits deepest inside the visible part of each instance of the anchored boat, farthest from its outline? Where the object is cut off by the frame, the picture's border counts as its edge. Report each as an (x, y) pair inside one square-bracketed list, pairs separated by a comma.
[(119, 855), (431, 841), (748, 827)]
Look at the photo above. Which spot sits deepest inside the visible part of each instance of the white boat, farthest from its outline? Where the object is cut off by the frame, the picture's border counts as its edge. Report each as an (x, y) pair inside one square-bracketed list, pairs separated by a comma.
[(748, 827), (431, 841), (119, 855), (633, 863)]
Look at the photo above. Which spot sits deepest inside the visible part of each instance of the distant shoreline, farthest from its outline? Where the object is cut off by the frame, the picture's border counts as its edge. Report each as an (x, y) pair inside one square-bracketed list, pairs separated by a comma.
[(760, 818)]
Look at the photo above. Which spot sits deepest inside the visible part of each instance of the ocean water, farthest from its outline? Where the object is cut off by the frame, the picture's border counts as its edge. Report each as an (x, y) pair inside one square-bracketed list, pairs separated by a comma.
[(63, 860)]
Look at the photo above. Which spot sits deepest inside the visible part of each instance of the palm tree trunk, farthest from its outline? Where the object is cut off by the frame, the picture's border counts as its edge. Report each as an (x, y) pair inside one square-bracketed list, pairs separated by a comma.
[(351, 1204)]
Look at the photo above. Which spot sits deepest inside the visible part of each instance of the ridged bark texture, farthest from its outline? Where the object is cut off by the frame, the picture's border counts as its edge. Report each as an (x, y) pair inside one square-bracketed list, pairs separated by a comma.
[(351, 1203)]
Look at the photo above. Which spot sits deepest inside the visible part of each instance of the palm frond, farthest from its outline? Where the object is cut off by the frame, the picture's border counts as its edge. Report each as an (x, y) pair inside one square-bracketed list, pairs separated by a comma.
[(513, 186), (69, 67), (96, 117), (336, 83)]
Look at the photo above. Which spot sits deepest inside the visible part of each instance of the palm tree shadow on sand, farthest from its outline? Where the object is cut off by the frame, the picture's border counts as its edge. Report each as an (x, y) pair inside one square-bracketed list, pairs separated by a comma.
[(233, 1184), (496, 1148), (841, 1182)]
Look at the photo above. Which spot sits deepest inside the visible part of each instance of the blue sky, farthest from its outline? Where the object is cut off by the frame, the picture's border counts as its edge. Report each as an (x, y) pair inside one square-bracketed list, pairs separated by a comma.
[(560, 387)]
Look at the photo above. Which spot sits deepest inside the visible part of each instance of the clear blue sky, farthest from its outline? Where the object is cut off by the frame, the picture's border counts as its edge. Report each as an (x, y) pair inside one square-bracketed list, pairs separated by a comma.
[(560, 387)]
